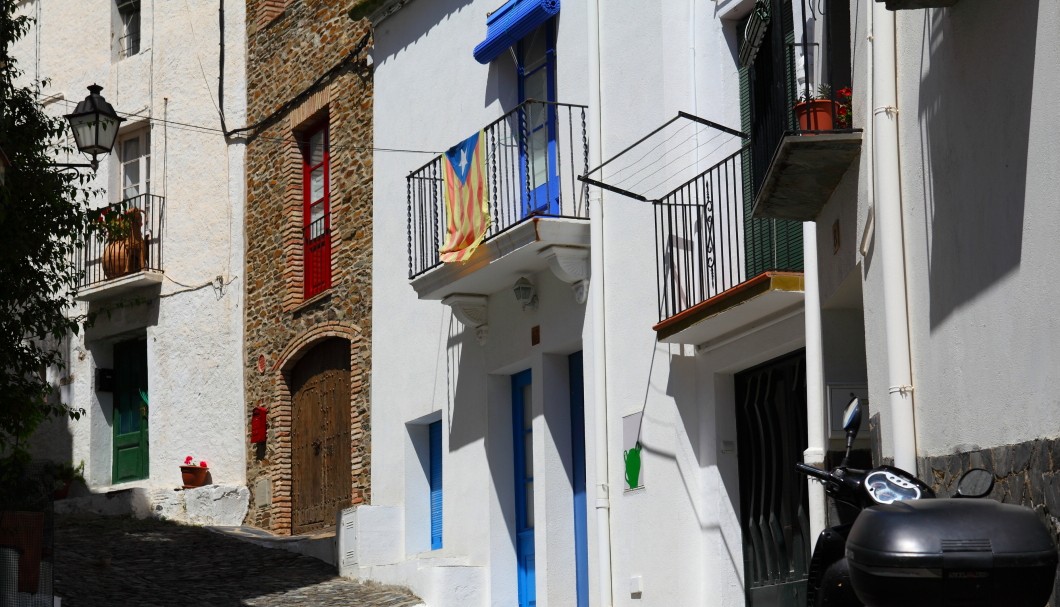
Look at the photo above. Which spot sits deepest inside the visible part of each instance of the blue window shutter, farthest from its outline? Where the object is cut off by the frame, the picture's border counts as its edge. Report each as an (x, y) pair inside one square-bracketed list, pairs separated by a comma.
[(508, 24), (434, 432)]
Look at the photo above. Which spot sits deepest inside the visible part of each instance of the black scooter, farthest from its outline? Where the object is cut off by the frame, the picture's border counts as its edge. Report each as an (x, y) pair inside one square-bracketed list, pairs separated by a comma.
[(906, 548)]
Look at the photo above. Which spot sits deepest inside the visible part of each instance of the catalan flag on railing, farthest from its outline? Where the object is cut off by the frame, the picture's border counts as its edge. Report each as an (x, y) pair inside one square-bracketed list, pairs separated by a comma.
[(466, 198)]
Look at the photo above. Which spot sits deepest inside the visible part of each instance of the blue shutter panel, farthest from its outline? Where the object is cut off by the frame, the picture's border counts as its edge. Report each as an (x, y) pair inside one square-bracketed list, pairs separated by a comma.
[(434, 432)]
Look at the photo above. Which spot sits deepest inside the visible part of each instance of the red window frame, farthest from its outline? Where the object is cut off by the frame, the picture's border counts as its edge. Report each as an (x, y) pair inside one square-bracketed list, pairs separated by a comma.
[(316, 236)]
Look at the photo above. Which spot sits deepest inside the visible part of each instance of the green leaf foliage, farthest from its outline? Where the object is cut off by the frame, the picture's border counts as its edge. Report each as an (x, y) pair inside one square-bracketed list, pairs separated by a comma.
[(44, 219)]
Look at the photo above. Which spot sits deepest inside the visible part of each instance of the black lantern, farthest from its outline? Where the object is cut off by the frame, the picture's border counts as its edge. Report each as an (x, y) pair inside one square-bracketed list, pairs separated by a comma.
[(95, 125)]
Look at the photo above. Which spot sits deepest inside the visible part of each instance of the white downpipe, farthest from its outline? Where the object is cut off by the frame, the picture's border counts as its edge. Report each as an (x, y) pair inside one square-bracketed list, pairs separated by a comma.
[(815, 407), (596, 286), (888, 198)]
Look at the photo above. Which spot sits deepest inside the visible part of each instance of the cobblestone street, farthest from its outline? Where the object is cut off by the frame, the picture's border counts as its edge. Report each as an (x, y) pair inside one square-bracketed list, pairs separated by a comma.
[(108, 561)]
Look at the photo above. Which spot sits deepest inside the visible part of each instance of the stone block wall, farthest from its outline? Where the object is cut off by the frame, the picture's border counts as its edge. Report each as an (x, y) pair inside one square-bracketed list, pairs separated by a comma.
[(306, 62), (1026, 473)]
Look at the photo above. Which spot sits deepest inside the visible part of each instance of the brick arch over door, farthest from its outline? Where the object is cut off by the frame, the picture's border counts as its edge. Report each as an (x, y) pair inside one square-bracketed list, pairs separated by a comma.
[(282, 419)]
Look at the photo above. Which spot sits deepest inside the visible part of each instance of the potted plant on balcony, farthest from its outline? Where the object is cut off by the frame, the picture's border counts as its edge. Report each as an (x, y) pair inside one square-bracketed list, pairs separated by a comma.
[(823, 111), (124, 251), (193, 473)]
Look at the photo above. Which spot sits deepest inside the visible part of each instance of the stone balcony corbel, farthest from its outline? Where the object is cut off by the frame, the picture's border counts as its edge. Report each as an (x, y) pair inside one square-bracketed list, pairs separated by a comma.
[(471, 310), (571, 265)]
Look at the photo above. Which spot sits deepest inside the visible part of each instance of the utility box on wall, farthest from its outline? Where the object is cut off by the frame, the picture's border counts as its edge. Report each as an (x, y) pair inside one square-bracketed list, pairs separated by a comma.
[(104, 380), (258, 425)]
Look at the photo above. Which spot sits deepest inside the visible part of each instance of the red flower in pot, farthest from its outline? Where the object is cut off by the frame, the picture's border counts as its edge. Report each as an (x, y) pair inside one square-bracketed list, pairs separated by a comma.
[(194, 473)]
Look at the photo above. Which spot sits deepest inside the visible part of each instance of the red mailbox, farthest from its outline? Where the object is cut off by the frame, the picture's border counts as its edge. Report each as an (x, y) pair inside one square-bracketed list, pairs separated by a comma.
[(258, 425)]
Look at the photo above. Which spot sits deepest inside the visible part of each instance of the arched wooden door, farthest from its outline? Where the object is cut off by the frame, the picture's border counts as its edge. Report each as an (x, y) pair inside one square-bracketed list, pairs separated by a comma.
[(320, 436)]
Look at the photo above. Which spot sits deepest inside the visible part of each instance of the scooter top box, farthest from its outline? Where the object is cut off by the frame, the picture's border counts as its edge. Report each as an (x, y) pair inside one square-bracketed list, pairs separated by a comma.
[(959, 552)]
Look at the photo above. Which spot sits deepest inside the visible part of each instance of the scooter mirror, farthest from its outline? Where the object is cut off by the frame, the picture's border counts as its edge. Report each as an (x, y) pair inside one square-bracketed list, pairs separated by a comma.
[(852, 416), (976, 482), (851, 423)]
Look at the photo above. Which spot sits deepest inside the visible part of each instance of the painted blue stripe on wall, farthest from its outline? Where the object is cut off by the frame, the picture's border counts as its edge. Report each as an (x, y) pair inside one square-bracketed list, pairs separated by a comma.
[(434, 432), (510, 23)]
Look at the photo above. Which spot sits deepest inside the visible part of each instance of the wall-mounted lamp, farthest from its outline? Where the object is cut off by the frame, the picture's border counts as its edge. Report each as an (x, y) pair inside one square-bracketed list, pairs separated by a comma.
[(95, 126), (525, 293)]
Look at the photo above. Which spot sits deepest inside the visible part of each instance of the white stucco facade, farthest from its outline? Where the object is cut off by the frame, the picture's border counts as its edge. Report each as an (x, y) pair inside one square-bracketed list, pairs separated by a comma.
[(675, 541), (191, 319), (978, 182)]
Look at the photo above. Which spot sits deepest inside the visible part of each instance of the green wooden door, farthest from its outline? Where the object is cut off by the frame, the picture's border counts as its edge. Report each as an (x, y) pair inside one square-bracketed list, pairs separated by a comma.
[(130, 411)]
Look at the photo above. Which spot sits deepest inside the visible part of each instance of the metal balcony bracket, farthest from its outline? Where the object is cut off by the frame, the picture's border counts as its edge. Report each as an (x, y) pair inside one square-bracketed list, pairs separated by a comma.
[(571, 265), (472, 311), (646, 174)]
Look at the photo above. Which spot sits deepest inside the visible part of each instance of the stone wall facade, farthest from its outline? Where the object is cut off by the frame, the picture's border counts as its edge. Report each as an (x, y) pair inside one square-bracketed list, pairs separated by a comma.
[(306, 66), (1027, 474)]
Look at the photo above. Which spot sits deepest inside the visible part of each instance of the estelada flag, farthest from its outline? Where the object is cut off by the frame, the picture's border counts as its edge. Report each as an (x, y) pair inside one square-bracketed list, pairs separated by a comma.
[(466, 198)]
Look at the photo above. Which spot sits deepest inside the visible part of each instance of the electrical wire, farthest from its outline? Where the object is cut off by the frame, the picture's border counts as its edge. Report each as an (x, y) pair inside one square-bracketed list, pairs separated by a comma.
[(662, 157), (207, 130), (198, 57)]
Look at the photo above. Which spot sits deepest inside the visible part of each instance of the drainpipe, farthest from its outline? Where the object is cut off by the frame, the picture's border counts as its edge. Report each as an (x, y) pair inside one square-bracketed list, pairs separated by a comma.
[(815, 409), (596, 232), (888, 203)]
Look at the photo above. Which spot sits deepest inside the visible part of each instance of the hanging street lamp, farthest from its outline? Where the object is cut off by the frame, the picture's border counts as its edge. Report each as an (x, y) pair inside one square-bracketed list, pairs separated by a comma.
[(95, 126)]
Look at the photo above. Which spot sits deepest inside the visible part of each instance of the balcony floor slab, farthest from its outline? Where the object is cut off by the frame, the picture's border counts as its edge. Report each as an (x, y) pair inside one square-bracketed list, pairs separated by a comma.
[(803, 174), (120, 286), (753, 301), (500, 261)]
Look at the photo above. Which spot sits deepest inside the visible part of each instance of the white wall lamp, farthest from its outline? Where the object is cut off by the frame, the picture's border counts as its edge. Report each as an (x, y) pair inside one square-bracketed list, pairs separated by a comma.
[(525, 293)]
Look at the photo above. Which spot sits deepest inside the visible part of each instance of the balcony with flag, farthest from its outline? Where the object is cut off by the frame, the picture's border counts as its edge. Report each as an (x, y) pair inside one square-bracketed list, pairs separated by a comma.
[(719, 270), (503, 203)]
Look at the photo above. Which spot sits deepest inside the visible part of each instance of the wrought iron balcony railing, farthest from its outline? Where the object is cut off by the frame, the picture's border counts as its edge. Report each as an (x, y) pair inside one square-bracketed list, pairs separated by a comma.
[(104, 258), (532, 156), (707, 242), (782, 97)]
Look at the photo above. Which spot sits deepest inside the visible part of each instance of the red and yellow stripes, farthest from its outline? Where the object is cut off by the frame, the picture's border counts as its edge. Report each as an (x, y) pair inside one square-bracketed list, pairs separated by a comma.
[(466, 199)]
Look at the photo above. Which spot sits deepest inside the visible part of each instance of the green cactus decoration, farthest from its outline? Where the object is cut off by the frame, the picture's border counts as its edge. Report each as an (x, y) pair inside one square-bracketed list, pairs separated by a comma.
[(632, 457)]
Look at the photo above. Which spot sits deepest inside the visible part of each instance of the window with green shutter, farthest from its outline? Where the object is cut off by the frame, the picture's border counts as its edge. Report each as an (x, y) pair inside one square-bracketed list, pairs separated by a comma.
[(767, 93)]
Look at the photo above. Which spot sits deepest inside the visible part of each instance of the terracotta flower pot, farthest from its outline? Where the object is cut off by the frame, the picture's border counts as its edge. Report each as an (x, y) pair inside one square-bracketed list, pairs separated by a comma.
[(121, 257), (193, 476), (815, 115), (126, 255), (62, 492)]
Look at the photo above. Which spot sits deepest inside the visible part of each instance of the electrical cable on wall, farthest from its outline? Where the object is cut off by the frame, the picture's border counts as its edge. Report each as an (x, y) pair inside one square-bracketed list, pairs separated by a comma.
[(290, 103)]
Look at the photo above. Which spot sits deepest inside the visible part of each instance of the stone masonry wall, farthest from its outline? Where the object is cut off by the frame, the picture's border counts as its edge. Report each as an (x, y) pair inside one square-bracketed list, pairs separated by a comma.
[(305, 61), (1026, 473)]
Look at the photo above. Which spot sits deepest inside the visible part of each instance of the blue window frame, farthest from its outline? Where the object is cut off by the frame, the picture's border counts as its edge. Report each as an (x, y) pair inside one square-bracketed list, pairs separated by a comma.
[(538, 164), (434, 434), (523, 447)]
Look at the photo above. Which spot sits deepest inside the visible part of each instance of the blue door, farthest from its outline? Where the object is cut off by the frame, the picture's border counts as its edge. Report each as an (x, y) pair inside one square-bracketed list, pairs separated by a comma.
[(538, 166), (577, 439), (434, 433), (523, 443)]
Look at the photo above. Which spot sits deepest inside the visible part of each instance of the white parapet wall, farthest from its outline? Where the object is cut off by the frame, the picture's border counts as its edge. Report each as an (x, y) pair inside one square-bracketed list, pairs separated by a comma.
[(211, 505)]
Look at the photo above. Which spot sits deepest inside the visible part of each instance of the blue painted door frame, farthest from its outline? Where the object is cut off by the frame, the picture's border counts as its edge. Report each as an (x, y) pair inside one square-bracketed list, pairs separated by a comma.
[(434, 434), (538, 163), (522, 442), (577, 440)]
